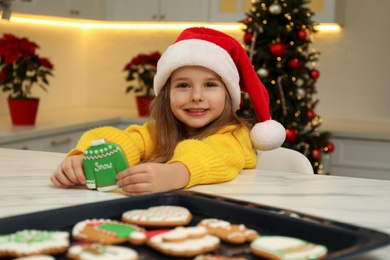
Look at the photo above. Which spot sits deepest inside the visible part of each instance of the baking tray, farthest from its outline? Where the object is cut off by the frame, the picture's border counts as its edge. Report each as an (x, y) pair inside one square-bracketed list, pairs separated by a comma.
[(342, 240)]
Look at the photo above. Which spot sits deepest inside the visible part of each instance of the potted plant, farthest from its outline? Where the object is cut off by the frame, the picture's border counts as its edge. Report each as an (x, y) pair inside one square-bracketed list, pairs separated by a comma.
[(140, 72), (21, 69)]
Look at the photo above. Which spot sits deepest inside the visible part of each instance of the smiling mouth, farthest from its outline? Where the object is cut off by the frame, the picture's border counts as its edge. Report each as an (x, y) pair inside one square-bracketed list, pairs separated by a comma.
[(198, 110)]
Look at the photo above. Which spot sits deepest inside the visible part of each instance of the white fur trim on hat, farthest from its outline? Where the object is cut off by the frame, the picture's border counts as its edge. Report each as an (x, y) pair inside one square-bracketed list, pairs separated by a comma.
[(194, 52), (267, 135)]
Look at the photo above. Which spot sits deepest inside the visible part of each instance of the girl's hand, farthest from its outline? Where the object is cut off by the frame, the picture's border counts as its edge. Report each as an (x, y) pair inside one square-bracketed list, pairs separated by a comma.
[(152, 178), (70, 172)]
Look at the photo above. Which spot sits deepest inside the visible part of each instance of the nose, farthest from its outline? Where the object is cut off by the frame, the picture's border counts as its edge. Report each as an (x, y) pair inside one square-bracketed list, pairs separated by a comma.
[(197, 94)]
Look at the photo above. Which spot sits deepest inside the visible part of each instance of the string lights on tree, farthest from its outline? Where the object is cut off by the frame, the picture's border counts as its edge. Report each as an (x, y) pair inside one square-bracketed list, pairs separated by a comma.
[(277, 38)]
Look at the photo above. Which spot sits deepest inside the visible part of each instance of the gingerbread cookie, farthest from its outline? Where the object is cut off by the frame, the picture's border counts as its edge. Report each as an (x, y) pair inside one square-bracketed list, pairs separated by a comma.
[(158, 216), (102, 161), (217, 257), (280, 247), (92, 251), (230, 233), (107, 231), (33, 242), (183, 241), (36, 257)]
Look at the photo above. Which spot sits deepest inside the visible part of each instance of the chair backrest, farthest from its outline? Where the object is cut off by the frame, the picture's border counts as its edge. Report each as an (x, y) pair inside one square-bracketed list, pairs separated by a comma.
[(284, 159)]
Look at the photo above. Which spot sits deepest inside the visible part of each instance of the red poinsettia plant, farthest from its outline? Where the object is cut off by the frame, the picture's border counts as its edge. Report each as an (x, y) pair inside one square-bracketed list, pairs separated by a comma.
[(141, 70), (21, 68)]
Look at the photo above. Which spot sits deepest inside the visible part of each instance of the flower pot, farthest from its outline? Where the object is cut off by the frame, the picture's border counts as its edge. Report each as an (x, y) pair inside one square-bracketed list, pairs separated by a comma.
[(143, 105), (23, 110)]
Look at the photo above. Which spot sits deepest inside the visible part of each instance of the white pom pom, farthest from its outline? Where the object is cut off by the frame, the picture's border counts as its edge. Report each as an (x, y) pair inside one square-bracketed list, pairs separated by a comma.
[(267, 135)]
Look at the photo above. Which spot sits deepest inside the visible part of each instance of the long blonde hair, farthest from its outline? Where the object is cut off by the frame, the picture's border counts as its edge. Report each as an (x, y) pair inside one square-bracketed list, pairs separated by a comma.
[(170, 131)]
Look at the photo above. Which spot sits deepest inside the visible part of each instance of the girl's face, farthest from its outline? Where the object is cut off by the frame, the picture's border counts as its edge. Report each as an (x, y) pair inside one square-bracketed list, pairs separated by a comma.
[(197, 96)]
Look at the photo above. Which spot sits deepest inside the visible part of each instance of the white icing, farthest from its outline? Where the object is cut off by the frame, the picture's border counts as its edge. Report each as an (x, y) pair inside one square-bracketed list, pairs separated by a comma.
[(138, 235), (197, 230), (216, 223), (190, 244), (273, 244), (36, 257), (175, 234), (110, 253), (158, 213), (25, 244)]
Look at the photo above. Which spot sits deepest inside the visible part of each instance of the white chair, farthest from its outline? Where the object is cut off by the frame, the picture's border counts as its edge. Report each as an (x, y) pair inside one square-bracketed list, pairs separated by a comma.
[(283, 159)]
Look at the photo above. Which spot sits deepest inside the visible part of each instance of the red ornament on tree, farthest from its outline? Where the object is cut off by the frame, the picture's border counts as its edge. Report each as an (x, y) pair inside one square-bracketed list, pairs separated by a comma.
[(329, 148), (248, 38), (246, 21), (316, 154), (310, 114), (314, 74), (291, 135), (277, 49), (301, 35), (294, 64)]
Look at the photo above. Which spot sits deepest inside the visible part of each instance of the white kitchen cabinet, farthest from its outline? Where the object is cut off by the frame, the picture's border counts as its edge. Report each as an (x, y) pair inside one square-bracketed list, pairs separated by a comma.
[(61, 143), (82, 9), (359, 157), (231, 11), (157, 10)]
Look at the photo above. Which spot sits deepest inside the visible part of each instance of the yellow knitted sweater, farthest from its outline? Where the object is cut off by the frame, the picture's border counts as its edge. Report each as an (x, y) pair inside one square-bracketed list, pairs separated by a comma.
[(217, 158)]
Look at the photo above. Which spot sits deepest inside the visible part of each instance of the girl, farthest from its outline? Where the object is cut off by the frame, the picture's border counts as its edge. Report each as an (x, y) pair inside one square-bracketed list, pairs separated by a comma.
[(195, 137)]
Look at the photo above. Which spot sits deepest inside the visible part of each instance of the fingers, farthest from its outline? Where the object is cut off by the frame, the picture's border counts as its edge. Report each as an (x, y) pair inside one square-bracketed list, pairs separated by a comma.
[(69, 172)]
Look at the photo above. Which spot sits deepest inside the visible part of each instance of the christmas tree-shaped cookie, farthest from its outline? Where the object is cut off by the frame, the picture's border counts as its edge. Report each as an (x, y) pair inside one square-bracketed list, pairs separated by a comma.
[(102, 161)]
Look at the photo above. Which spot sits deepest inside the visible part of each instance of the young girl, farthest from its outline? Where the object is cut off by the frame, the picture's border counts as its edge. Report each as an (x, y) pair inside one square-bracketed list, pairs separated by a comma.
[(196, 136)]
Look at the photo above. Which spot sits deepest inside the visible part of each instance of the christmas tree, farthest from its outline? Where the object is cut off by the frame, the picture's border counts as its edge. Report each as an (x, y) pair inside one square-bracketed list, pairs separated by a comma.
[(277, 37)]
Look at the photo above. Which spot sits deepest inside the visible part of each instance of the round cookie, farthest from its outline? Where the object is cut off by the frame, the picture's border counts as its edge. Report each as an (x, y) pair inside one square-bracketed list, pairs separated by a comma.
[(286, 248), (230, 233), (107, 231), (158, 216), (183, 241), (217, 257), (33, 242), (92, 251), (36, 257)]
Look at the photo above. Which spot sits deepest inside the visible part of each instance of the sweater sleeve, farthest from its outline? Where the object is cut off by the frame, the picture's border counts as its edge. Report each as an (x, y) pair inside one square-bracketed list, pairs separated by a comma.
[(217, 158), (135, 141)]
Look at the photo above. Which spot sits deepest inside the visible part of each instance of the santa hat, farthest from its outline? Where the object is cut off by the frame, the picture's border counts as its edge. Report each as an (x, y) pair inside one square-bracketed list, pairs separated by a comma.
[(225, 56)]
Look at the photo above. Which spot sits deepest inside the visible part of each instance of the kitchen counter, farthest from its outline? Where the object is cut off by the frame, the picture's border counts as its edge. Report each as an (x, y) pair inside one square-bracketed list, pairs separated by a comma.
[(64, 120), (25, 187)]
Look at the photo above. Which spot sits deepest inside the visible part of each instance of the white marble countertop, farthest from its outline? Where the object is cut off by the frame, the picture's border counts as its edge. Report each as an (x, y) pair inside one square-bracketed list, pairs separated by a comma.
[(25, 188)]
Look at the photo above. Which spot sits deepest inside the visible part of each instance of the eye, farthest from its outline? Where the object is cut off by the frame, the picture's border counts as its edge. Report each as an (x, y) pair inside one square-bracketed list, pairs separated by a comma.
[(182, 85), (211, 84)]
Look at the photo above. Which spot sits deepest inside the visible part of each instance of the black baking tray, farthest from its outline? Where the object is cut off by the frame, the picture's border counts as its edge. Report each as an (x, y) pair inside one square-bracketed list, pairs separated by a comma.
[(342, 240)]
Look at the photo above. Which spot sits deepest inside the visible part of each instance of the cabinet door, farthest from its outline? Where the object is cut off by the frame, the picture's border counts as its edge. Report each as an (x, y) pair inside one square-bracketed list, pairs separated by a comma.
[(184, 10), (361, 158), (85, 9), (132, 10), (231, 11), (61, 143), (37, 7)]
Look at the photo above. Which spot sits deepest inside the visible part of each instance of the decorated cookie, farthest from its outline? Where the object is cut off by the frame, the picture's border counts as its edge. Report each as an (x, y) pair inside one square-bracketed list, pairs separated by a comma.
[(183, 241), (92, 251), (33, 242), (217, 257), (101, 162), (280, 247), (230, 233), (158, 216), (36, 257), (108, 232)]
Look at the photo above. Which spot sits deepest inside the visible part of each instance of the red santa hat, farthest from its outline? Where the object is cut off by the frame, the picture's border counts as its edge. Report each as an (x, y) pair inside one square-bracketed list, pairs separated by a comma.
[(225, 56)]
